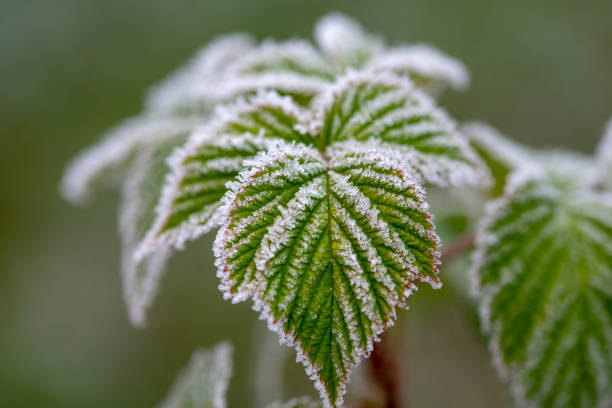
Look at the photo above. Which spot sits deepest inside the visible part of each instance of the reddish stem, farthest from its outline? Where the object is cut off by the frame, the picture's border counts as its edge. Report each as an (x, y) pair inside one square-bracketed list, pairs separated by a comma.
[(386, 371), (463, 244)]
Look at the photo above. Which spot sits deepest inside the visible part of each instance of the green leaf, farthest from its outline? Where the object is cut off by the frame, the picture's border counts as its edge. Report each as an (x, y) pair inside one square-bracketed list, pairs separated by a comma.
[(543, 273), (141, 192), (328, 246), (302, 402), (213, 157), (390, 111), (203, 383)]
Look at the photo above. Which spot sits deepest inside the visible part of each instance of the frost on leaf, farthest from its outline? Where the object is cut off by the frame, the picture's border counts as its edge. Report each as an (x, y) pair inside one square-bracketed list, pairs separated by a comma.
[(203, 383), (604, 155), (141, 193), (328, 246), (543, 274), (389, 109), (212, 157)]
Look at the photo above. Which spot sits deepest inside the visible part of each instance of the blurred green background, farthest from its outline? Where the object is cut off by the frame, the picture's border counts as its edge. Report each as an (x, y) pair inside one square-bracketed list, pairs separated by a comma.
[(69, 69)]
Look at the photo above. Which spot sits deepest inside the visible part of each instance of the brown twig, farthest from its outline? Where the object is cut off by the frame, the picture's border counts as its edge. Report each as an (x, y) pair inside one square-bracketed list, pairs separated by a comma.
[(386, 371), (463, 244)]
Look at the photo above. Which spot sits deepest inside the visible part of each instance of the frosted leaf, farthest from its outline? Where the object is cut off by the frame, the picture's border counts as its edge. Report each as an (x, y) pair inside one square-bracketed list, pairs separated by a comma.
[(543, 275), (106, 162), (345, 42), (212, 157), (302, 402), (328, 247), (604, 155), (203, 383), (387, 108), (430, 69), (205, 67), (141, 193)]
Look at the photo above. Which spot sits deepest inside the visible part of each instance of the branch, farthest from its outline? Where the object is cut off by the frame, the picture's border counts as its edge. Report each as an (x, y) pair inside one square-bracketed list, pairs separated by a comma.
[(461, 245)]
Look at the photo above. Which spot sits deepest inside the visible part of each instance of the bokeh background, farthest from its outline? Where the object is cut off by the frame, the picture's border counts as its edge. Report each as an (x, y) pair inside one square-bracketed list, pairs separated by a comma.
[(69, 69)]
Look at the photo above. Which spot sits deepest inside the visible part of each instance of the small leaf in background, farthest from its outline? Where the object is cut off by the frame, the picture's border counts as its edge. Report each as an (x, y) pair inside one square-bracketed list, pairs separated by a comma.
[(543, 273), (328, 248), (204, 382), (141, 192)]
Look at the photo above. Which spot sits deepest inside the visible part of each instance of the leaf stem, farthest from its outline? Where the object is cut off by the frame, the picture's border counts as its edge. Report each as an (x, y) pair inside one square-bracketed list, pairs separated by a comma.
[(461, 245), (387, 373)]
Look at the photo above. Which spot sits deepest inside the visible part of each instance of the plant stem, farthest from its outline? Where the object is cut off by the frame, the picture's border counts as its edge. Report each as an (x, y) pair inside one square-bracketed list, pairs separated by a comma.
[(386, 371), (383, 362)]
